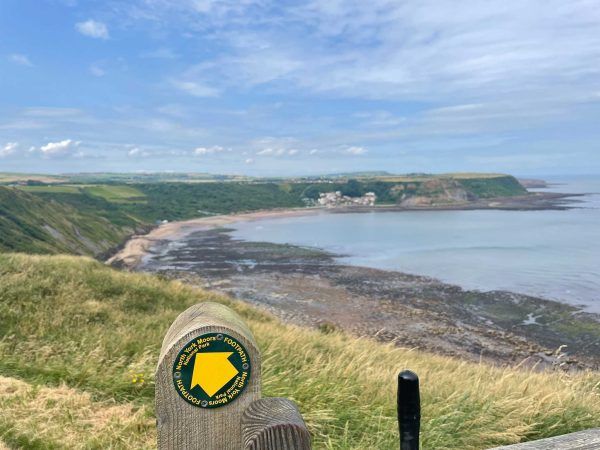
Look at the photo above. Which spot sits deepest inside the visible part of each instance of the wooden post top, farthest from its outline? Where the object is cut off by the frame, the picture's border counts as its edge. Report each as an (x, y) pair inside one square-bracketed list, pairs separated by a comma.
[(274, 424), (200, 316), (208, 373)]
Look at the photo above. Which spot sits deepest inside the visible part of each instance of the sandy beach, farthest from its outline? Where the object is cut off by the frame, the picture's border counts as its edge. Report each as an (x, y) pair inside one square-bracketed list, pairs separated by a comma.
[(138, 246)]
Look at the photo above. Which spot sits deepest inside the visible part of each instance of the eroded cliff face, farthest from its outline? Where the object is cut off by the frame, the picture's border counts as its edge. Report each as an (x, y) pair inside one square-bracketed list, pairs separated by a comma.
[(437, 192)]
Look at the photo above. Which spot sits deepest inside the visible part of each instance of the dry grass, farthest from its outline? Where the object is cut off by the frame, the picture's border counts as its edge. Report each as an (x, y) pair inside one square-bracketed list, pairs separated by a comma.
[(71, 325), (14, 177), (68, 418), (466, 406)]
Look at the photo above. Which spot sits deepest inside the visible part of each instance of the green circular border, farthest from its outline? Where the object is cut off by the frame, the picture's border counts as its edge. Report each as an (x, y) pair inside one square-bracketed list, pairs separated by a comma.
[(202, 400)]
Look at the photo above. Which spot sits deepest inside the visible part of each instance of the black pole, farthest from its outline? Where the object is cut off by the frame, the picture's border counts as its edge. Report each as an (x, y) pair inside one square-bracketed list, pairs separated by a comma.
[(409, 410)]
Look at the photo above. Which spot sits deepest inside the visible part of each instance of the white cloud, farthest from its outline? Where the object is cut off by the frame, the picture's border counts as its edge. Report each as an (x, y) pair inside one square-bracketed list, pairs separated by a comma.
[(157, 153), (93, 29), (385, 49), (97, 70), (202, 151), (137, 152), (314, 151), (195, 88), (249, 161), (269, 151), (20, 59), (167, 152), (8, 149), (356, 150), (60, 149)]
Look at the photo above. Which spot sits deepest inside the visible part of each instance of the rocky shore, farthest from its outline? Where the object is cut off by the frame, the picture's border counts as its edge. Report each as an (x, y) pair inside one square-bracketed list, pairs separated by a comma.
[(306, 286)]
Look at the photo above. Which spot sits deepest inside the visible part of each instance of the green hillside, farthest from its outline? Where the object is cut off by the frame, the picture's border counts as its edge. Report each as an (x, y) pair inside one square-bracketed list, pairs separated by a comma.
[(93, 218), (500, 186), (34, 224), (392, 190), (79, 343), (177, 201)]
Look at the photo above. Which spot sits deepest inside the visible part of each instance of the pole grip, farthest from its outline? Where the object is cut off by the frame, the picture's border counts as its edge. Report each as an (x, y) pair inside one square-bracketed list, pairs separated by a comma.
[(409, 410)]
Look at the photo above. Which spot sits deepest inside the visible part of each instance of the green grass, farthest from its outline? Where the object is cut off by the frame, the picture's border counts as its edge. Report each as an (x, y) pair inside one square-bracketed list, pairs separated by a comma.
[(499, 186), (116, 193), (110, 192), (79, 343), (52, 188), (36, 223)]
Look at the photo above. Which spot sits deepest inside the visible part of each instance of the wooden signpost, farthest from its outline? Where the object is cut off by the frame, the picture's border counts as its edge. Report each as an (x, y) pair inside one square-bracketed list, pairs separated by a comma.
[(208, 382), (208, 395)]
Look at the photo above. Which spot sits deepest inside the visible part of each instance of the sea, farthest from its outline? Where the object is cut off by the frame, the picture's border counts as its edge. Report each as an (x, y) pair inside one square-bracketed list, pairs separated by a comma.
[(550, 254)]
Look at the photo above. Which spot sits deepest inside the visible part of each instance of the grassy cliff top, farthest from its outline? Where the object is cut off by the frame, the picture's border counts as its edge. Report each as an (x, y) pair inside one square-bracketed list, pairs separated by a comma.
[(34, 224), (79, 343)]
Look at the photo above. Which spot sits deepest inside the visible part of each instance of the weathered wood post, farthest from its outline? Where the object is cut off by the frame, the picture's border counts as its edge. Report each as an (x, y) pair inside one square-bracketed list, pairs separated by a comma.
[(581, 440), (274, 423), (208, 374)]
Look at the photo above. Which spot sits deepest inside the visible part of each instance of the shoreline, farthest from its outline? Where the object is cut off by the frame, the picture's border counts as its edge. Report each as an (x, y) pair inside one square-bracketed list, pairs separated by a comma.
[(138, 246)]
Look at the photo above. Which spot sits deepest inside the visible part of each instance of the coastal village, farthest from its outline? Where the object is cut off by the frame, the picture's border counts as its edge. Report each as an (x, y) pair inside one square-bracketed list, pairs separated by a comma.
[(335, 199)]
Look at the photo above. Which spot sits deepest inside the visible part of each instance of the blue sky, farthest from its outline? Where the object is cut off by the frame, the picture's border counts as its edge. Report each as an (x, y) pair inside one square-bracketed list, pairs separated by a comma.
[(277, 87)]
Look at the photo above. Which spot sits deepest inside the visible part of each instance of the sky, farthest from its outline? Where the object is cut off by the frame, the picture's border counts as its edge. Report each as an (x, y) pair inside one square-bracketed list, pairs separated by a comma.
[(277, 87)]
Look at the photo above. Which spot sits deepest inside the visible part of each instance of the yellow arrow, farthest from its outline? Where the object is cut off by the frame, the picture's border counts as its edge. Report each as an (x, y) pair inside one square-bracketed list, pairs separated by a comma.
[(212, 371)]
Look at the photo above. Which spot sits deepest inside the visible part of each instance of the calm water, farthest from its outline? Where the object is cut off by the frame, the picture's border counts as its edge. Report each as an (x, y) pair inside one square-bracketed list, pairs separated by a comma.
[(550, 254)]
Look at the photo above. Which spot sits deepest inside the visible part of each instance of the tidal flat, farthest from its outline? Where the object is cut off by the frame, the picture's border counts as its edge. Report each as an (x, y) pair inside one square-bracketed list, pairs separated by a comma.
[(307, 286)]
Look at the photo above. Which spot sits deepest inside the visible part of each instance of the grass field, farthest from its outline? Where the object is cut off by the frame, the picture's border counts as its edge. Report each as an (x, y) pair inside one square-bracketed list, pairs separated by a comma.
[(52, 188), (6, 177), (116, 193), (79, 343), (112, 193)]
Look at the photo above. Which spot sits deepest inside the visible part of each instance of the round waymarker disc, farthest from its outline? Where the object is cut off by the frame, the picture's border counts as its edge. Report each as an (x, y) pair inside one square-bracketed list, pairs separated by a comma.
[(211, 370)]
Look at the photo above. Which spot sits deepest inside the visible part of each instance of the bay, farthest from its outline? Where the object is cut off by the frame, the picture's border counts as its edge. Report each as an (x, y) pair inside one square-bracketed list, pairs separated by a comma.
[(549, 254)]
